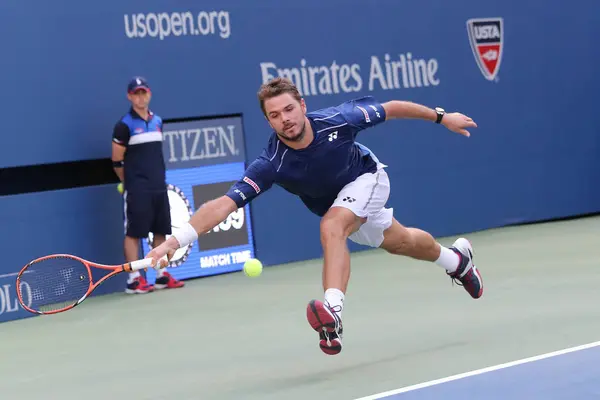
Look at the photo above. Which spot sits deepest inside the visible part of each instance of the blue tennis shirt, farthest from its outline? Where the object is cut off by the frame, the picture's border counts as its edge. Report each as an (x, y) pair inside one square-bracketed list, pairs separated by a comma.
[(318, 172)]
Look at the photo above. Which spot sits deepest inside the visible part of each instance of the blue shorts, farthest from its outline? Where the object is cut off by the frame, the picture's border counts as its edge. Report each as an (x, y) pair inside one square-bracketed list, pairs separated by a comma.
[(146, 212)]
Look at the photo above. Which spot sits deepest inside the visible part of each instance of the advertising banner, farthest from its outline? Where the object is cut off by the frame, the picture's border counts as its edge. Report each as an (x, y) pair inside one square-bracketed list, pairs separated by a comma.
[(204, 158)]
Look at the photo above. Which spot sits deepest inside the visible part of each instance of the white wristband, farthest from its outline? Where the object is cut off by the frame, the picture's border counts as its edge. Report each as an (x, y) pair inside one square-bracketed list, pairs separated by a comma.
[(185, 235)]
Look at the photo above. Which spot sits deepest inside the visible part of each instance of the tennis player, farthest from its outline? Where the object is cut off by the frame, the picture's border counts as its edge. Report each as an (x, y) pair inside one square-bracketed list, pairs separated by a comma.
[(315, 156)]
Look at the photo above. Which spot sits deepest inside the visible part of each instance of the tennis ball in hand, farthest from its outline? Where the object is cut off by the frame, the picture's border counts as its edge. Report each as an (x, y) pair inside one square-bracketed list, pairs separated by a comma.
[(120, 187), (253, 268)]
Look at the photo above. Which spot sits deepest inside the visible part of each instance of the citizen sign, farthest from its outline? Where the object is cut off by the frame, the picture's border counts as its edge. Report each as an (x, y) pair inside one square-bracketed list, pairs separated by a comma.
[(204, 142)]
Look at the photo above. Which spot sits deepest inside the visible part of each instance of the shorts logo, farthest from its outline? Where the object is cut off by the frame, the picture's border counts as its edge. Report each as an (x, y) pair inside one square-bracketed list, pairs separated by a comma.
[(486, 36), (349, 199), (367, 119), (252, 183)]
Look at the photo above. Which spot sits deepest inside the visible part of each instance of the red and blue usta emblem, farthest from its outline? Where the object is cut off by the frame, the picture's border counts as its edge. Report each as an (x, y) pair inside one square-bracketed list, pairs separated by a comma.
[(486, 37)]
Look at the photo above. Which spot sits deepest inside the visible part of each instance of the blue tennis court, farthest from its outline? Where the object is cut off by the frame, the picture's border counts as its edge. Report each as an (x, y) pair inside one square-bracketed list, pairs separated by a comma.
[(566, 374)]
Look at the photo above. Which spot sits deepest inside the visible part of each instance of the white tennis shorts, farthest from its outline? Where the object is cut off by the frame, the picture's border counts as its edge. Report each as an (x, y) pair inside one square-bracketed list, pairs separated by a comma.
[(366, 197)]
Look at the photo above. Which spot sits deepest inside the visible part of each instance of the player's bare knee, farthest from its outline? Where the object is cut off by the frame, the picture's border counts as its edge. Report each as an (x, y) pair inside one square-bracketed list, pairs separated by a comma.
[(336, 226), (332, 229)]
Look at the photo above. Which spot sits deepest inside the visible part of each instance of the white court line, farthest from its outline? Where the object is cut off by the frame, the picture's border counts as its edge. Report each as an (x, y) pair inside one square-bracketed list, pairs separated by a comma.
[(479, 371)]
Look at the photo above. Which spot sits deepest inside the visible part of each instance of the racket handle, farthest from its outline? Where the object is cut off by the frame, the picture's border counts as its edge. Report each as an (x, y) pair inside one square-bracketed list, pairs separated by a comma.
[(139, 264)]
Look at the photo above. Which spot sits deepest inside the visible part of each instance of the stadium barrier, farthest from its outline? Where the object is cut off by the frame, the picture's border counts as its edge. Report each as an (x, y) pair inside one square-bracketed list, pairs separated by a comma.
[(525, 73)]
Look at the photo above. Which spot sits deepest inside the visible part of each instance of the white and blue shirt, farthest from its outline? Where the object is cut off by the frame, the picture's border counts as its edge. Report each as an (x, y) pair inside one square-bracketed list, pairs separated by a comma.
[(317, 173), (144, 165)]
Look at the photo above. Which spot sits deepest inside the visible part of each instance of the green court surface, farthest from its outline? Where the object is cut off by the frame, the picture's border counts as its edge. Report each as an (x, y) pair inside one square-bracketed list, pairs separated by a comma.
[(232, 337)]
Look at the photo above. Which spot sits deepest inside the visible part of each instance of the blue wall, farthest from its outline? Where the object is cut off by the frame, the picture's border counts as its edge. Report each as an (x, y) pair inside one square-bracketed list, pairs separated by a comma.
[(86, 222), (534, 155)]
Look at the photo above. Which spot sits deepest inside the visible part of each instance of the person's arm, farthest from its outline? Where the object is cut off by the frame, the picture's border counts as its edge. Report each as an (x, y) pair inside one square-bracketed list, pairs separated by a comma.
[(209, 215), (118, 154), (120, 140), (258, 178), (396, 109), (455, 122)]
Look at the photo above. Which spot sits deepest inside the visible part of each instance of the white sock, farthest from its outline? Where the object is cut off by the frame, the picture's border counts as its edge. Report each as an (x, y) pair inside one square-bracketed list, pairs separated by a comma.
[(448, 260), (335, 299), (160, 272), (133, 275)]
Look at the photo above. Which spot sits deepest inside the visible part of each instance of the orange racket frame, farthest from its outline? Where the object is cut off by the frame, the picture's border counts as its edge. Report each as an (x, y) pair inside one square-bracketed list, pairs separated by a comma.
[(116, 269)]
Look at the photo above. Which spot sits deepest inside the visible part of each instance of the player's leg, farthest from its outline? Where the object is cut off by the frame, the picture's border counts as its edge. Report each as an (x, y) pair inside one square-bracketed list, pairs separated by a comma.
[(355, 202), (336, 226), (325, 316), (418, 244), (137, 227), (161, 227)]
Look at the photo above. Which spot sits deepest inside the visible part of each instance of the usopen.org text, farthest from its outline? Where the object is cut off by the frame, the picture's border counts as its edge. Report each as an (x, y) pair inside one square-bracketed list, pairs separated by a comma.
[(162, 25)]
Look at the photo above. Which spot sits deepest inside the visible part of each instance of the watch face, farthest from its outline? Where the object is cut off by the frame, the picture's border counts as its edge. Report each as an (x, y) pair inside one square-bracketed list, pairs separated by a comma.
[(181, 212)]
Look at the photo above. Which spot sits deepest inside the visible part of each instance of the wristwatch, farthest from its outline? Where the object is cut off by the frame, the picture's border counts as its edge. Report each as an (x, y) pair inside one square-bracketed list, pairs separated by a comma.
[(440, 114)]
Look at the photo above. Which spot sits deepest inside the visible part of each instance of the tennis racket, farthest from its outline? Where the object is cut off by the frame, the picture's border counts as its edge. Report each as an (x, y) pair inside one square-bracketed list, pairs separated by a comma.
[(59, 282)]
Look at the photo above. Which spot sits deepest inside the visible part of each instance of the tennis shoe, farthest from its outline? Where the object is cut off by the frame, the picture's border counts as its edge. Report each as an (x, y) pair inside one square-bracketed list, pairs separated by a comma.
[(167, 282), (466, 275), (139, 285), (326, 321)]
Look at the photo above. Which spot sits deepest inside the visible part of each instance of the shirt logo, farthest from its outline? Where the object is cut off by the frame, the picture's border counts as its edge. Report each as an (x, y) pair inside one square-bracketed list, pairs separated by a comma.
[(375, 109), (240, 193), (252, 183), (366, 114), (333, 136)]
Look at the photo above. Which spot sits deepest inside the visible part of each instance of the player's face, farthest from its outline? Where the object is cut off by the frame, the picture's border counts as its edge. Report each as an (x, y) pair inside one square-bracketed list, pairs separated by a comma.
[(140, 98), (286, 116)]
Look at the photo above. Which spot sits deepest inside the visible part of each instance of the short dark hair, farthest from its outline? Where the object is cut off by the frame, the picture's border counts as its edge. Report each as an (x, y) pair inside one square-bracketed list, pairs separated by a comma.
[(275, 87)]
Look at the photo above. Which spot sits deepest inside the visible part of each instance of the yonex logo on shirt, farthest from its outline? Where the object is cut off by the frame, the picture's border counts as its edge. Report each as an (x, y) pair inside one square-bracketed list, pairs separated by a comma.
[(332, 136), (375, 109), (242, 195)]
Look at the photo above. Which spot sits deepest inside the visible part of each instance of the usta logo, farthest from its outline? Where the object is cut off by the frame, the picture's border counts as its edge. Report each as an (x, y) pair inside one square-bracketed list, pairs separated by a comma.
[(486, 36)]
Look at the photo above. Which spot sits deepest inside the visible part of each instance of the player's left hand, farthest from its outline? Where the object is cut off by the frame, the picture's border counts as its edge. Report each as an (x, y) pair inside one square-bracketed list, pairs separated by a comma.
[(457, 122)]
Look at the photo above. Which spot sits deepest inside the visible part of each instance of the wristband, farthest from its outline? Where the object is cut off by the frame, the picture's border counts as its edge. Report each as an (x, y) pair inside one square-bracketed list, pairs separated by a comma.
[(185, 235)]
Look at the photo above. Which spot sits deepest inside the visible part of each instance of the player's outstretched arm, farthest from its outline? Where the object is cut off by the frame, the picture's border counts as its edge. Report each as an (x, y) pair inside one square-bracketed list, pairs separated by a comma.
[(456, 122), (209, 215)]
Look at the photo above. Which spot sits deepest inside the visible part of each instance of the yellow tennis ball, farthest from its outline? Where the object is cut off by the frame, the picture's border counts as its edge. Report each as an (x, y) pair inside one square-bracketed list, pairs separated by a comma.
[(120, 187), (253, 268)]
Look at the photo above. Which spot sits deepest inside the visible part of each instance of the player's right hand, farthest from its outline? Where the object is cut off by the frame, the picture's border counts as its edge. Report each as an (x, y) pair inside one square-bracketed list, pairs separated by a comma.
[(158, 254)]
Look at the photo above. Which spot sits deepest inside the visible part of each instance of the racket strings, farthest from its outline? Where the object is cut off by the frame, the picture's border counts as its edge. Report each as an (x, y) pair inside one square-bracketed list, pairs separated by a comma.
[(54, 283)]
